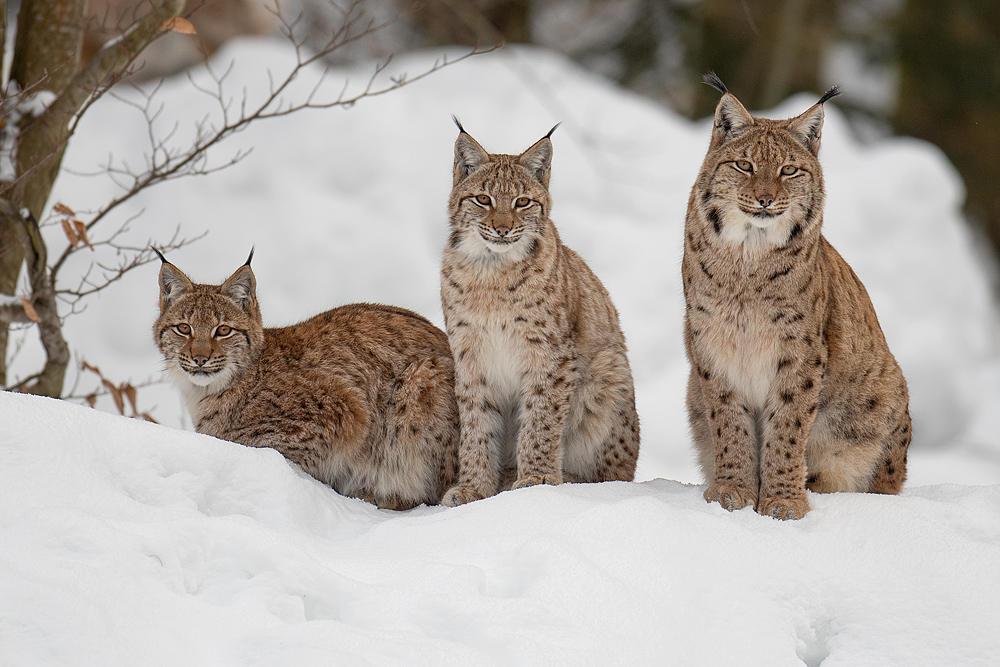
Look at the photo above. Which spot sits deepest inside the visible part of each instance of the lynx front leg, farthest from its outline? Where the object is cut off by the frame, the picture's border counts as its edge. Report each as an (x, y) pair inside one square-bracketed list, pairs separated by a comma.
[(724, 433), (546, 403), (481, 433), (786, 431)]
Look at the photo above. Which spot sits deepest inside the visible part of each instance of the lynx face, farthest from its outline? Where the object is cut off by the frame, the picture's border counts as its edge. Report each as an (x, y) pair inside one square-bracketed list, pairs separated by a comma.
[(500, 208), (208, 334), (762, 181)]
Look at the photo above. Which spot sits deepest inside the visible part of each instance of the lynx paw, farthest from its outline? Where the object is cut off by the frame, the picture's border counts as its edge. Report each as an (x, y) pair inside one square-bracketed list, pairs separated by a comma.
[(533, 480), (784, 508), (729, 496), (460, 495)]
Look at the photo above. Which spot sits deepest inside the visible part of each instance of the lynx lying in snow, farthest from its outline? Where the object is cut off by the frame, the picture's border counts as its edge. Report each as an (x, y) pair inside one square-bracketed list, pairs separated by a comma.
[(360, 396), (543, 382), (792, 384)]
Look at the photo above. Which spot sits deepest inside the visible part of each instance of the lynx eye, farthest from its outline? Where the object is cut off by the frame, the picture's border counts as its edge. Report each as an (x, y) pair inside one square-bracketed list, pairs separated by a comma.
[(222, 331), (744, 165), (788, 170), (521, 202), (483, 200), (183, 329)]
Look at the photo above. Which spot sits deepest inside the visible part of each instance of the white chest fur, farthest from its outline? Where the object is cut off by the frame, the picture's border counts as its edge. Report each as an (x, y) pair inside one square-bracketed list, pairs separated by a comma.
[(741, 346)]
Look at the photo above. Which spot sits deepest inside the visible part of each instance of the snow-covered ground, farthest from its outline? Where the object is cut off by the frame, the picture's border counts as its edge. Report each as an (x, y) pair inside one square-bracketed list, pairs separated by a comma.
[(128, 543)]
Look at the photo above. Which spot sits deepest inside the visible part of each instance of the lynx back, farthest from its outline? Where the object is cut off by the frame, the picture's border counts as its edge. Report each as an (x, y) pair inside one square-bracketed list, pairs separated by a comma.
[(361, 397), (792, 385), (543, 382)]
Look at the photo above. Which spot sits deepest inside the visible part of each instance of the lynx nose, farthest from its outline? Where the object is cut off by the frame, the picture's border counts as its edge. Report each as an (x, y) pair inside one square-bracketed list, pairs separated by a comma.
[(765, 200), (200, 359), (502, 230)]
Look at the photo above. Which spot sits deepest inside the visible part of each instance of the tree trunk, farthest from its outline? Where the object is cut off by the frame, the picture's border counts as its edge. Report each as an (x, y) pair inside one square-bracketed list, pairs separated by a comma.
[(47, 51)]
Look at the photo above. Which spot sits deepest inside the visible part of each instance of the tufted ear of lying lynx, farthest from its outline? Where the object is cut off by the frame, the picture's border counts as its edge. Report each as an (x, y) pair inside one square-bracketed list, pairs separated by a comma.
[(361, 397), (792, 384), (543, 382)]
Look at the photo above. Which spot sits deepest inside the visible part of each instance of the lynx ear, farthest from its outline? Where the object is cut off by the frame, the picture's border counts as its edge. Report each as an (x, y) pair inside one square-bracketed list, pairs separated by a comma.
[(173, 284), (538, 158), (808, 127), (241, 287), (469, 155), (731, 119)]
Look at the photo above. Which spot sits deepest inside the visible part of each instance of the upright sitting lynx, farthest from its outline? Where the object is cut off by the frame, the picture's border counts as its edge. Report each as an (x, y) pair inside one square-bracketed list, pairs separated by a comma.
[(543, 383), (792, 384), (360, 396)]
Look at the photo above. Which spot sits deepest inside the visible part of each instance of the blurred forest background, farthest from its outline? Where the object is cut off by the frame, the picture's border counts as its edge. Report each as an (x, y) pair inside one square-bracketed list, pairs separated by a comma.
[(925, 68)]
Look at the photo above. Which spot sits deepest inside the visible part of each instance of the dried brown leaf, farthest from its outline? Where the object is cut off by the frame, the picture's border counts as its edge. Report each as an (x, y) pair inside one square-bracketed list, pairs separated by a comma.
[(116, 394), (87, 367), (74, 240), (81, 232), (147, 417), (91, 399), (179, 24), (29, 310), (130, 394), (62, 208)]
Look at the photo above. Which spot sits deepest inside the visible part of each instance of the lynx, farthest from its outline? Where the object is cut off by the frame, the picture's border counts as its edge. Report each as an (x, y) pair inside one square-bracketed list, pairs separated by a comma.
[(543, 382), (361, 396), (792, 385)]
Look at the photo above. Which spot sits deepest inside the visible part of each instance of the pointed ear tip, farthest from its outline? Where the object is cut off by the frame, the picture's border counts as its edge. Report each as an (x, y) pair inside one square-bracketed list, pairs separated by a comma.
[(834, 91), (712, 79)]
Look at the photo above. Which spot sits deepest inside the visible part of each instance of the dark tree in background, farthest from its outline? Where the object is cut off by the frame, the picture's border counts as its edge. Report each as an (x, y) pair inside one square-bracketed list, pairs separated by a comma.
[(949, 93)]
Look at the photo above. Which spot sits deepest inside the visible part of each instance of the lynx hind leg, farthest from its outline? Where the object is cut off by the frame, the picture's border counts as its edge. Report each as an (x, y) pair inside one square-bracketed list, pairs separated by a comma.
[(601, 440), (875, 463), (891, 472), (419, 458)]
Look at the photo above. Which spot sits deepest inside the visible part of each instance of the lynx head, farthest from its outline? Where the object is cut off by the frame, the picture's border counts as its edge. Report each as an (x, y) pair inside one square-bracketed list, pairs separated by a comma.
[(761, 174), (208, 334), (499, 203)]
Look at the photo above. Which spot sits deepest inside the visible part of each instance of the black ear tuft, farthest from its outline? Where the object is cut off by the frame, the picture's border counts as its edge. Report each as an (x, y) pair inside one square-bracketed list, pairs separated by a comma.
[(714, 81), (459, 123), (252, 248), (830, 94), (549, 135), (163, 260)]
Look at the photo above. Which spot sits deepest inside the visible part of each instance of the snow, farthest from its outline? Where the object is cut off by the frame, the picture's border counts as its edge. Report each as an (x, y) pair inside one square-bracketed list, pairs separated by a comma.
[(127, 543), (124, 542)]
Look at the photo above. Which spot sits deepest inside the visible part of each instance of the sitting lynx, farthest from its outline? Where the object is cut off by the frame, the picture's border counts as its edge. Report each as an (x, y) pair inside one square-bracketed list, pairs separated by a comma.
[(792, 384), (543, 382), (360, 396)]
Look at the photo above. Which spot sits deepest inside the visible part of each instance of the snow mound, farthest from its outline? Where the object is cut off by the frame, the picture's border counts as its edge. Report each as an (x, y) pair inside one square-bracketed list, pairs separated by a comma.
[(127, 543)]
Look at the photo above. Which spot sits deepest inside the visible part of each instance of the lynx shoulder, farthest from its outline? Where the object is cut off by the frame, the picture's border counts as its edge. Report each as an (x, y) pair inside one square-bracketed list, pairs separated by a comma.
[(543, 382), (792, 385), (361, 397)]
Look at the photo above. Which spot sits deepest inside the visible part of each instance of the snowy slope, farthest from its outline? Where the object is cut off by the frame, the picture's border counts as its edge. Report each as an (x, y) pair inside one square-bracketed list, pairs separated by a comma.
[(126, 543), (349, 205)]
